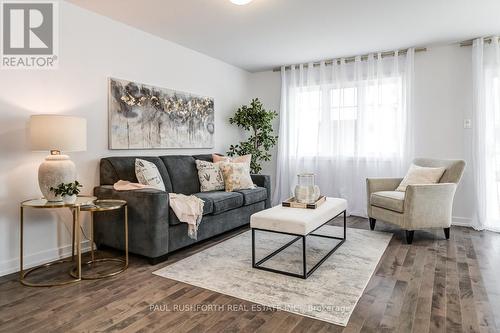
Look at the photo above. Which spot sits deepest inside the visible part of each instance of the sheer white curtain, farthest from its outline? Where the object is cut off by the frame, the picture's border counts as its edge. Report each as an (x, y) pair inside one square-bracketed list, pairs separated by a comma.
[(345, 122), (486, 133)]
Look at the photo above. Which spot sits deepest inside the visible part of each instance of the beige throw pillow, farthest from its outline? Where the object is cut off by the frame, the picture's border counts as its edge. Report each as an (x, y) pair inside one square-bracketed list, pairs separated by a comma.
[(421, 175), (236, 176), (210, 176), (147, 174)]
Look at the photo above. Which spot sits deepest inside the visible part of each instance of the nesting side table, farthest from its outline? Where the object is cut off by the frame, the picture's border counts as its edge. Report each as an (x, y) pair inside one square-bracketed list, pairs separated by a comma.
[(44, 204), (97, 206)]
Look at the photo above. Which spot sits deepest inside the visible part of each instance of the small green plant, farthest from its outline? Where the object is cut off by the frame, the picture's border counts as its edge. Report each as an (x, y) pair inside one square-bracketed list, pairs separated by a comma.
[(67, 189), (259, 122)]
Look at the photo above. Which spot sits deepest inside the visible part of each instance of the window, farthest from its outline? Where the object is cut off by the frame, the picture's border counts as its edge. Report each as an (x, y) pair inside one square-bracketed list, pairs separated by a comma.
[(309, 118), (344, 104), (361, 119)]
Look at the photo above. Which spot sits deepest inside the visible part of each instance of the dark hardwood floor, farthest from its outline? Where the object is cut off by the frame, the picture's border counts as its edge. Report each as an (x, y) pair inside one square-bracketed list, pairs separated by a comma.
[(433, 285)]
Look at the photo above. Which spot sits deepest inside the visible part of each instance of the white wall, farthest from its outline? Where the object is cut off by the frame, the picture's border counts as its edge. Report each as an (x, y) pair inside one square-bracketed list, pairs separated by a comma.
[(92, 48), (443, 99), (267, 87)]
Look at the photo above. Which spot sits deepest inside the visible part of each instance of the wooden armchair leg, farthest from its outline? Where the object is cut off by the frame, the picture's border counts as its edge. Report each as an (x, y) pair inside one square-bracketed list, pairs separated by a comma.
[(409, 236), (372, 223), (447, 233)]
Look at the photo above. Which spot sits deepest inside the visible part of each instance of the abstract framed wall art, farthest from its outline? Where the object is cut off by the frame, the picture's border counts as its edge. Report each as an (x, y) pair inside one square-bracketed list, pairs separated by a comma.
[(146, 117)]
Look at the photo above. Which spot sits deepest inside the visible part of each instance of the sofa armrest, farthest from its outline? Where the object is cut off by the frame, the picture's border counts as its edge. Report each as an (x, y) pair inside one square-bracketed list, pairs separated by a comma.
[(148, 214), (429, 205), (264, 181)]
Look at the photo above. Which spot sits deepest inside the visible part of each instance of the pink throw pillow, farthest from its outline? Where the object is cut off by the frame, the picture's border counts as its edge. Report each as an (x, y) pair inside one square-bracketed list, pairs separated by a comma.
[(236, 159)]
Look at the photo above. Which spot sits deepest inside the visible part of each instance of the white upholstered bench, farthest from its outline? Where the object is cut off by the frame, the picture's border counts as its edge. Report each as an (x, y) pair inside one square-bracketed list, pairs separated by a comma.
[(297, 222)]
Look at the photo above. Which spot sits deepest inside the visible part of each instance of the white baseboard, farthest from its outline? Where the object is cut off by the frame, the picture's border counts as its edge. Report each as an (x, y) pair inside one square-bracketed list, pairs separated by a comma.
[(35, 259), (461, 221)]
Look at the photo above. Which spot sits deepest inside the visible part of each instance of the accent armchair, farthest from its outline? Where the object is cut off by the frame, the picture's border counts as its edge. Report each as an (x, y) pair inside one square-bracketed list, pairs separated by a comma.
[(421, 206)]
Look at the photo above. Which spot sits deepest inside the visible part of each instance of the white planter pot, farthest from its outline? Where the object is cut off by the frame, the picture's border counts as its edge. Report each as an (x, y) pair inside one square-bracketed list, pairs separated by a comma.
[(69, 199)]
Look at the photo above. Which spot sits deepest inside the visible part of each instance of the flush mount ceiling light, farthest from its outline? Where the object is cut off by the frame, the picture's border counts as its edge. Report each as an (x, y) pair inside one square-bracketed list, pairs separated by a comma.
[(241, 2)]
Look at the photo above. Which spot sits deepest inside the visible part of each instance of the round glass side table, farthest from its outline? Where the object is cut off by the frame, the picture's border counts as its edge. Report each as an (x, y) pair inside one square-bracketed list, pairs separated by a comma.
[(97, 206), (44, 204)]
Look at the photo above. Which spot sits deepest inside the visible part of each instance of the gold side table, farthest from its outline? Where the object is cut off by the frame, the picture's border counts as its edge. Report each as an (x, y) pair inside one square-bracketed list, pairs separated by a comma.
[(44, 204), (96, 207)]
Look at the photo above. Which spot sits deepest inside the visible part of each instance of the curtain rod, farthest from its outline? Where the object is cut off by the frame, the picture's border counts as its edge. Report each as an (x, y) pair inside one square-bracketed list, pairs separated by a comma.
[(352, 59), (468, 42)]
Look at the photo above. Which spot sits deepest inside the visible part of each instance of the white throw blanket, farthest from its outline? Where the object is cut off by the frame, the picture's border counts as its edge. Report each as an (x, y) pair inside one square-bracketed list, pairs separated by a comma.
[(188, 209)]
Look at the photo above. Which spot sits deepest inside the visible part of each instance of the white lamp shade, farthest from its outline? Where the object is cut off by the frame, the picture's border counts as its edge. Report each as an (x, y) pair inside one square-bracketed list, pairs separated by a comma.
[(57, 132)]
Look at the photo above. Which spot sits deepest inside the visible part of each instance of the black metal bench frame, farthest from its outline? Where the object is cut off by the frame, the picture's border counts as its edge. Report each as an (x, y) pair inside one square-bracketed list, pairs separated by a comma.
[(306, 273)]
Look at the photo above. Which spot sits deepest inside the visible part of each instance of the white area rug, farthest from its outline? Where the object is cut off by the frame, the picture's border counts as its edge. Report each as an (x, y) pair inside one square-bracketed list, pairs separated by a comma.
[(329, 294)]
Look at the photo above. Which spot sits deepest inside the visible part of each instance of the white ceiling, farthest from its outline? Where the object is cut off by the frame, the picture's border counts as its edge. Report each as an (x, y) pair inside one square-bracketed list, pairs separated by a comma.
[(270, 33)]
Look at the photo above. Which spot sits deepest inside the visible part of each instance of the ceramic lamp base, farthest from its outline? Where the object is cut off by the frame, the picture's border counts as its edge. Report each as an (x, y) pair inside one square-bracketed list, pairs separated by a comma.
[(56, 169)]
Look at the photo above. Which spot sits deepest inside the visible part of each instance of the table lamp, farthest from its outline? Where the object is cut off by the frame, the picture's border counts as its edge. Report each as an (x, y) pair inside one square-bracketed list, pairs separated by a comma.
[(56, 133)]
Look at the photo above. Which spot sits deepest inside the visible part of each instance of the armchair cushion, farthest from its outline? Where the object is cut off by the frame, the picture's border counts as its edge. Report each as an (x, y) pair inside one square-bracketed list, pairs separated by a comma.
[(382, 184), (392, 200)]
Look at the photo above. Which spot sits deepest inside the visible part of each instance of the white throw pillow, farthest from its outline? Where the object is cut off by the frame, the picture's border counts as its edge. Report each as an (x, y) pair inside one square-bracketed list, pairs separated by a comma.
[(420, 175), (236, 176), (210, 176), (147, 174)]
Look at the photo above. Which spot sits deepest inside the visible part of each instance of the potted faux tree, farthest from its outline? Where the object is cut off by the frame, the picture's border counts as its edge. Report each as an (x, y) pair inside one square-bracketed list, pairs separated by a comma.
[(68, 192), (259, 122)]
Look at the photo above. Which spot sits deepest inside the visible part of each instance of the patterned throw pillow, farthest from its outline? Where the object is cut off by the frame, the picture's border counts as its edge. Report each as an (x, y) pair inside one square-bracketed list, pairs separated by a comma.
[(210, 176), (147, 174), (236, 176), (235, 159)]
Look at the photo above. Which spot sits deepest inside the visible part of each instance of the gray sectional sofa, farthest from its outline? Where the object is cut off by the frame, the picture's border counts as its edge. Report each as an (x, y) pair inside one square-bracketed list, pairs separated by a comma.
[(154, 230)]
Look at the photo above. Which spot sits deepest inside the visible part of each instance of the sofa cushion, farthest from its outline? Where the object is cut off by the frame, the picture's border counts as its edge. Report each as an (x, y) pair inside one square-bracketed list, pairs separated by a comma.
[(113, 169), (208, 207), (222, 201), (251, 196), (183, 173), (392, 200)]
